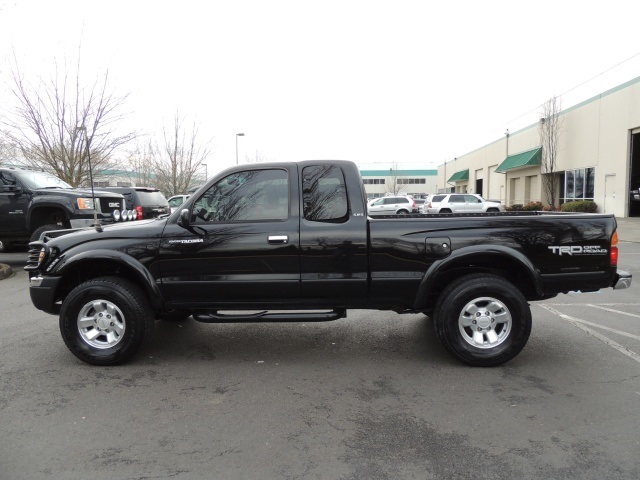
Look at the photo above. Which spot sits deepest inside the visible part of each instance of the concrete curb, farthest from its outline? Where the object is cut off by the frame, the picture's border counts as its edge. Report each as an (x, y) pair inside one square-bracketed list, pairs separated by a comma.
[(5, 271)]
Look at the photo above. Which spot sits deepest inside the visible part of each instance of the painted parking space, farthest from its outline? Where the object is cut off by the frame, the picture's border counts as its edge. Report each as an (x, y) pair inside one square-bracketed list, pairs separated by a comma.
[(617, 325)]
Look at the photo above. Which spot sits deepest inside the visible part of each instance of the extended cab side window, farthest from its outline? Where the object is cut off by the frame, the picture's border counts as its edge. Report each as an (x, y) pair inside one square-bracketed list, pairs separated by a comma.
[(324, 194), (249, 196)]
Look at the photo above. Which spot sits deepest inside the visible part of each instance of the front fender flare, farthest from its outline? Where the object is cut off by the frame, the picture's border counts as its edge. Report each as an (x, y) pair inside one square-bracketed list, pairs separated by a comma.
[(143, 276), (466, 255)]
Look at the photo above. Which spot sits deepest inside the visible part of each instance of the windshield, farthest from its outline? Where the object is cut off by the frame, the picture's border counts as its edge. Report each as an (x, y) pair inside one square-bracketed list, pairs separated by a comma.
[(151, 198), (35, 180)]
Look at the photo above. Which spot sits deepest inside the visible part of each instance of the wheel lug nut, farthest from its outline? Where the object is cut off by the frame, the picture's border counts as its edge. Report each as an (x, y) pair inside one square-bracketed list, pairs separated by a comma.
[(479, 329), (111, 324), (477, 314), (474, 322), (107, 330)]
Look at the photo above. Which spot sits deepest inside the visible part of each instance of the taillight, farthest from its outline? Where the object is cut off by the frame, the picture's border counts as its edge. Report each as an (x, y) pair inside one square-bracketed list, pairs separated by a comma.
[(613, 256), (139, 210)]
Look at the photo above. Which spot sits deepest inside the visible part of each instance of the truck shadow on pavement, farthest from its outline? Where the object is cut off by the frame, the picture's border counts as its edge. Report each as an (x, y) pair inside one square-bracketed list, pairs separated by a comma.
[(403, 337)]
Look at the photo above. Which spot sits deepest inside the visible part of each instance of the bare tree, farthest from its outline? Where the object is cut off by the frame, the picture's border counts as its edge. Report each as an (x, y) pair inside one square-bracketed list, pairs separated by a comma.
[(257, 158), (140, 165), (549, 134), (177, 162), (47, 122), (9, 153), (392, 185)]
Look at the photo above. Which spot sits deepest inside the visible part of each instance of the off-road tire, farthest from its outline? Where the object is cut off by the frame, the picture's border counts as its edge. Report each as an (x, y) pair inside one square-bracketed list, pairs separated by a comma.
[(500, 330), (44, 228), (129, 313)]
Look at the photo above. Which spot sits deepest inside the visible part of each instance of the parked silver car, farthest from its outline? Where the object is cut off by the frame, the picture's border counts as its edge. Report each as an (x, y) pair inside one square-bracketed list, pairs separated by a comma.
[(462, 203), (398, 205)]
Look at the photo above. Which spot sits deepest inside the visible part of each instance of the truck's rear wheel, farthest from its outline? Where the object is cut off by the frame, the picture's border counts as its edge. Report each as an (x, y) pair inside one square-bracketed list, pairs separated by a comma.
[(482, 320), (105, 321)]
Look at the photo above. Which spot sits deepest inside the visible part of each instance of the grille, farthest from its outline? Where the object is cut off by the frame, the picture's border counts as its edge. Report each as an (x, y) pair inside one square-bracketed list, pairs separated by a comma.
[(108, 205), (32, 259)]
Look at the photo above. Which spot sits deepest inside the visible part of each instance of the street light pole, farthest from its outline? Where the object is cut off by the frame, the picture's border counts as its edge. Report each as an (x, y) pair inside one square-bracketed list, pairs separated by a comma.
[(238, 135), (83, 129)]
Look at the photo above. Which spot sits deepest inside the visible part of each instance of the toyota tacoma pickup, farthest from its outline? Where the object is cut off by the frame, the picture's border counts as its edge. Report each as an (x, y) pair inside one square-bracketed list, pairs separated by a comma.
[(286, 242)]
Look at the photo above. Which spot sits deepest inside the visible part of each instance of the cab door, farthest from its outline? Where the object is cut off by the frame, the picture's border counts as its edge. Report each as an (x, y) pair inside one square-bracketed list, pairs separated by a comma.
[(14, 204), (241, 245)]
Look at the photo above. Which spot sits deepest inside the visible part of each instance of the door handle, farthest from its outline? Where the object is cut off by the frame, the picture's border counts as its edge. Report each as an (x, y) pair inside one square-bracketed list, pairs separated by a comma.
[(278, 239)]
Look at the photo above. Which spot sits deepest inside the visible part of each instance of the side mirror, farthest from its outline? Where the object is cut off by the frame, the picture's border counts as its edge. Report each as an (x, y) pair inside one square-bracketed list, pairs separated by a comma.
[(183, 220)]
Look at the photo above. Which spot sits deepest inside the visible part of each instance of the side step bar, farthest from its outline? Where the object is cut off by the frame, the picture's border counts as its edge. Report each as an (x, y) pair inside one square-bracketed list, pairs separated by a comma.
[(215, 317)]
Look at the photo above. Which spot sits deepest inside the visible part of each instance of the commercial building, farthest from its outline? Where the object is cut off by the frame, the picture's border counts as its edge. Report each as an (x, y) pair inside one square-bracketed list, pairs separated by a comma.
[(598, 158), (415, 183)]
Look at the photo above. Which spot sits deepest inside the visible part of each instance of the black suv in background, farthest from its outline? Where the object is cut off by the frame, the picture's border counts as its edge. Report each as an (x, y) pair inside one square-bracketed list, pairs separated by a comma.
[(147, 202)]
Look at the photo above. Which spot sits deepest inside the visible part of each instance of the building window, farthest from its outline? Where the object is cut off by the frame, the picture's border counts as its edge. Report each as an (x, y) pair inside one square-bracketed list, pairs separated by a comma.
[(123, 184), (412, 181), (578, 185), (373, 181)]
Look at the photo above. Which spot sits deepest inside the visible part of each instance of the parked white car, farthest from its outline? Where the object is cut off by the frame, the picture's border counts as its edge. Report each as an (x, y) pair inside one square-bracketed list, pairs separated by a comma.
[(398, 205), (462, 203), (176, 201)]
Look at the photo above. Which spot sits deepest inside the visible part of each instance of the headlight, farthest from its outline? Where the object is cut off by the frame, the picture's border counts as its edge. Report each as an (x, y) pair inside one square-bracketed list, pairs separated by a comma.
[(116, 215), (41, 257), (85, 203), (133, 214), (125, 215)]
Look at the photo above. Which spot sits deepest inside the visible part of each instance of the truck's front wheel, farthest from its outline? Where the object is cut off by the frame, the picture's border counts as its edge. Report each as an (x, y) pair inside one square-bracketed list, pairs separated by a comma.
[(106, 320), (482, 320)]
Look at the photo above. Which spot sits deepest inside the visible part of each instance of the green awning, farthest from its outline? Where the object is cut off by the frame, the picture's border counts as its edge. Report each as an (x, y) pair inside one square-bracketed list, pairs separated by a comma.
[(459, 176), (530, 158)]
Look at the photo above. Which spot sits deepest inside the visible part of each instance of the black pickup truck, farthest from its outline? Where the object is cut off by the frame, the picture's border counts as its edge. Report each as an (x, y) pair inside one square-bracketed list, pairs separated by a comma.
[(292, 242), (33, 201)]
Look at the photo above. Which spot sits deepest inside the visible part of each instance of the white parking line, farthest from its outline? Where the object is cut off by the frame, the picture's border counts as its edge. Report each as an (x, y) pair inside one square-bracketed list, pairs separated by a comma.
[(577, 322), (613, 311)]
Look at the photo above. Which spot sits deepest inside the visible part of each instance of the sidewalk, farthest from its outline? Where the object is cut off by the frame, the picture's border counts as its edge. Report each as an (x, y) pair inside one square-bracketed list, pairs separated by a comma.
[(629, 229)]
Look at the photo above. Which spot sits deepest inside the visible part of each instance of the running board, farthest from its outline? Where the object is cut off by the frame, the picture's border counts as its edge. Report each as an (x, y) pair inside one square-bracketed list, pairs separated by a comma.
[(215, 317)]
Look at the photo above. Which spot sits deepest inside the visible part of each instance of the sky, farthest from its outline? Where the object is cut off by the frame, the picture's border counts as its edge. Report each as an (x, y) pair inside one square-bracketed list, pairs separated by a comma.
[(403, 83)]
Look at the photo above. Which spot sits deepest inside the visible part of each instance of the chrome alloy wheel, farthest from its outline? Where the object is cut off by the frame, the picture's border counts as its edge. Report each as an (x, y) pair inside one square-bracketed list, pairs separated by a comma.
[(485, 322), (101, 324)]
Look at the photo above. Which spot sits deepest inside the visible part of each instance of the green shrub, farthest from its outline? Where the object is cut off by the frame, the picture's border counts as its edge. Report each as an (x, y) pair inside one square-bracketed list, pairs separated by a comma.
[(533, 206), (516, 207), (585, 206)]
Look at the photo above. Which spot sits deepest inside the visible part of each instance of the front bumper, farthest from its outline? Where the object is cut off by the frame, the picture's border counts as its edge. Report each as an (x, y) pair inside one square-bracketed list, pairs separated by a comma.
[(622, 280), (43, 293)]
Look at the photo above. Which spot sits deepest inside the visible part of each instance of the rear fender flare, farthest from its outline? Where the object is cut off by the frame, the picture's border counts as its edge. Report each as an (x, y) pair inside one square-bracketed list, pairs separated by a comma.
[(466, 255)]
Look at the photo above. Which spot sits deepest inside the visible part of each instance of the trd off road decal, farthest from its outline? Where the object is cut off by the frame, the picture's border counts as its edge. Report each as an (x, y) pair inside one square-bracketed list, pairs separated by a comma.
[(579, 250)]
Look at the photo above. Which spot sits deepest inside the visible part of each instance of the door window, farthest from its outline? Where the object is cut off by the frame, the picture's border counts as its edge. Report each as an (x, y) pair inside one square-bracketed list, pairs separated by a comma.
[(324, 194), (249, 196)]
